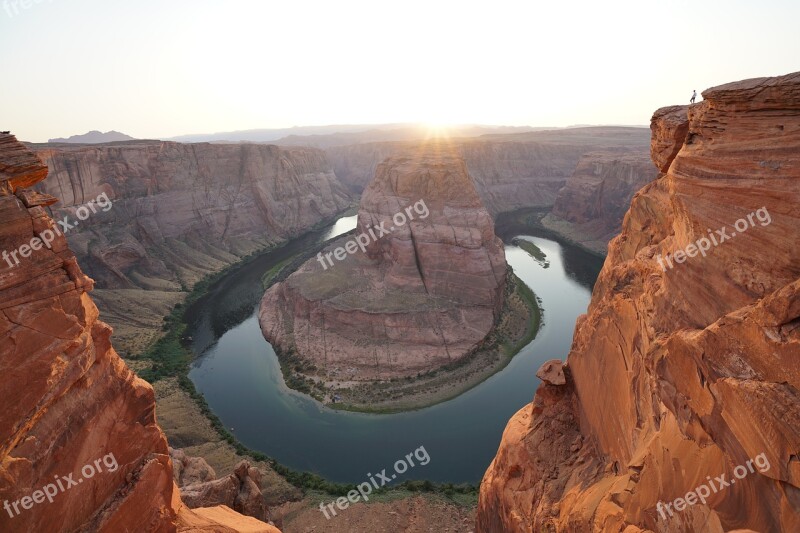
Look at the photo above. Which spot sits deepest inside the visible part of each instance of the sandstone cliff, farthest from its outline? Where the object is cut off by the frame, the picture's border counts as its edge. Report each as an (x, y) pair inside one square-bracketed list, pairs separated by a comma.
[(420, 297), (679, 375), (510, 171), (76, 423), (590, 207), (180, 212)]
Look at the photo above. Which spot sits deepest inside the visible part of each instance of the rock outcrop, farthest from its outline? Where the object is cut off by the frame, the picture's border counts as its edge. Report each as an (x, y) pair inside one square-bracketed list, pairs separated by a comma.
[(190, 470), (419, 297), (679, 375), (590, 207), (77, 424), (240, 491), (180, 212), (552, 372)]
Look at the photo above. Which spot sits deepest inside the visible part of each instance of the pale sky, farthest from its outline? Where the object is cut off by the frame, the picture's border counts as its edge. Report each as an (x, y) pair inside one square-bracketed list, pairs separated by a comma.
[(159, 68)]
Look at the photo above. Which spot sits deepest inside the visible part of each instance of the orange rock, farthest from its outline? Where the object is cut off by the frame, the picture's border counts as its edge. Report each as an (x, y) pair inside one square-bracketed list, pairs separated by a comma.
[(220, 519), (669, 128), (680, 374), (69, 400), (19, 167), (552, 372)]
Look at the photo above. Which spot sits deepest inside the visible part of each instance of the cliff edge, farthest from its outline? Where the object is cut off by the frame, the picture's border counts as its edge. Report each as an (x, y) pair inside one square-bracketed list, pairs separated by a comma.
[(681, 407), (80, 449)]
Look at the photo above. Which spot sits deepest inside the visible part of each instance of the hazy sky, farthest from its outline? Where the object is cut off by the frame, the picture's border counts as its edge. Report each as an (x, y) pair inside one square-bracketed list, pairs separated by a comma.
[(156, 68)]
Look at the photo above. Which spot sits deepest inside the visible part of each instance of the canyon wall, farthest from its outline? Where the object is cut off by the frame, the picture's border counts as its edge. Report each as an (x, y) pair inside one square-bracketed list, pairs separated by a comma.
[(687, 366), (80, 448), (510, 171), (417, 298), (167, 196), (590, 207), (180, 212)]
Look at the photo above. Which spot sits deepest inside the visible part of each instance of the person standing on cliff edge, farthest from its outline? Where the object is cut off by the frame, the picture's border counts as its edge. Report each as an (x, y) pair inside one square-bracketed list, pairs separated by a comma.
[(694, 95)]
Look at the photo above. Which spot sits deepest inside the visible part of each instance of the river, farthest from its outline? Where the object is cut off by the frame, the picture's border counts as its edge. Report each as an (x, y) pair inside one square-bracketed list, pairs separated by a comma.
[(239, 375)]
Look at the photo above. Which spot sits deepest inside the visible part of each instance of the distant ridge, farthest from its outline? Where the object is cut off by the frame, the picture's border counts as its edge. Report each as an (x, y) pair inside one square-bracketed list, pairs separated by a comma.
[(94, 137), (340, 134)]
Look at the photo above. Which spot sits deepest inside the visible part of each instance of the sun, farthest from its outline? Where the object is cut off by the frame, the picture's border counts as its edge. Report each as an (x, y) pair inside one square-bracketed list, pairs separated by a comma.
[(436, 130)]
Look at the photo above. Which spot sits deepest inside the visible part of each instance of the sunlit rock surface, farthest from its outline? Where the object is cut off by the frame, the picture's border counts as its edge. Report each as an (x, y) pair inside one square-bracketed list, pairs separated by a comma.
[(684, 373), (69, 400)]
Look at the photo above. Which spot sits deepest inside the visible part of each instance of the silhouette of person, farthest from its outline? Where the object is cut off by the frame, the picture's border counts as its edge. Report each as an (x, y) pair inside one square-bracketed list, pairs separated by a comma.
[(694, 95)]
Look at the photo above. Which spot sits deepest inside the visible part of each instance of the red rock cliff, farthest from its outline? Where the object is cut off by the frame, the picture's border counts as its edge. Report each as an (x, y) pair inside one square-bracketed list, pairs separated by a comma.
[(679, 375), (69, 400), (420, 297)]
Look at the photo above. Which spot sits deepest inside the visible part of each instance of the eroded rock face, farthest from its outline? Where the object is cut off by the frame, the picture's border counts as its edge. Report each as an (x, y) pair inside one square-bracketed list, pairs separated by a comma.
[(179, 210), (69, 400), (419, 297), (189, 470), (509, 171), (680, 375), (597, 195), (170, 214), (669, 128), (552, 372), (240, 491)]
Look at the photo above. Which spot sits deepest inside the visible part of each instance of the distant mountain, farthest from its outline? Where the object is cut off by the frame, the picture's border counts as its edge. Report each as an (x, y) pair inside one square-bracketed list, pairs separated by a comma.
[(337, 135), (94, 137)]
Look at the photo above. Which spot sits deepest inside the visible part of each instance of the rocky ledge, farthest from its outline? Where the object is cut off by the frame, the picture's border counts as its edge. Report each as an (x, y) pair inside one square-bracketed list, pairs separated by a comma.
[(420, 296), (686, 371)]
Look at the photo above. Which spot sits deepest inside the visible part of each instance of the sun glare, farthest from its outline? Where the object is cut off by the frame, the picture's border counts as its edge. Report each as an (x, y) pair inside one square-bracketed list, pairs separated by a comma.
[(436, 130)]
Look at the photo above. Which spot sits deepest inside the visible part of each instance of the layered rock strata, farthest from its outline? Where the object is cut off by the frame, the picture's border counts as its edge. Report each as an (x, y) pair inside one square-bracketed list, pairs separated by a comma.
[(419, 297), (590, 207), (170, 199), (679, 375), (178, 212), (76, 423)]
